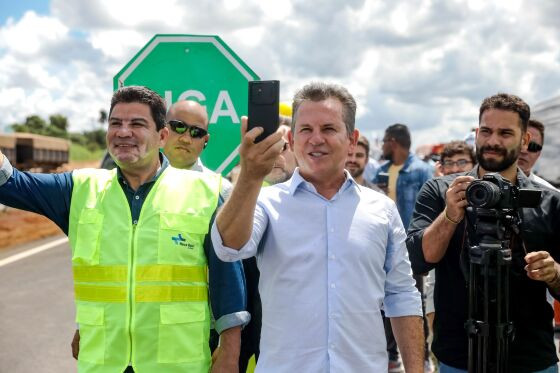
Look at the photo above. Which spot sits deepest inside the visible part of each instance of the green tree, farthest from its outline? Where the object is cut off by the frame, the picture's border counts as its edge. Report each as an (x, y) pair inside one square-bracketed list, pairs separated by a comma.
[(32, 124), (59, 121)]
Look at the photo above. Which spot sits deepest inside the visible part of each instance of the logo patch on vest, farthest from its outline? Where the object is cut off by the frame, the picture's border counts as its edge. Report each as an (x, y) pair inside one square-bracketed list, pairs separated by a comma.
[(179, 240)]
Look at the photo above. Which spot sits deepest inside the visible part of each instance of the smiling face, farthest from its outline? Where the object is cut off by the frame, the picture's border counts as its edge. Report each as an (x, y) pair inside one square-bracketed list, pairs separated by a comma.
[(499, 140), (132, 138), (528, 159), (320, 141), (183, 150)]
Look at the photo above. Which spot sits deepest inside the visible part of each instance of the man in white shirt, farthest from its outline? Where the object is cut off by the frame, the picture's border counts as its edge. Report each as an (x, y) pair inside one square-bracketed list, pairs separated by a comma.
[(529, 156), (330, 252)]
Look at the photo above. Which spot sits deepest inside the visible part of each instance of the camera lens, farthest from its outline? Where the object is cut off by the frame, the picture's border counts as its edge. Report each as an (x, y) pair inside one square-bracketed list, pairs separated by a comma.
[(481, 193)]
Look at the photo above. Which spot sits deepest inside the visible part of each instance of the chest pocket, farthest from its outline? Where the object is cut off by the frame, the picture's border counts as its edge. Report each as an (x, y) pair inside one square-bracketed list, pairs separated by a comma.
[(86, 250), (181, 238)]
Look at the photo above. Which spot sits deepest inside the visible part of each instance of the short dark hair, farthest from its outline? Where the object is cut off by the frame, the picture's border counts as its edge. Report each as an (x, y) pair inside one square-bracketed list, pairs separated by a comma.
[(400, 133), (142, 95), (508, 102), (365, 143), (319, 91), (538, 126), (457, 147)]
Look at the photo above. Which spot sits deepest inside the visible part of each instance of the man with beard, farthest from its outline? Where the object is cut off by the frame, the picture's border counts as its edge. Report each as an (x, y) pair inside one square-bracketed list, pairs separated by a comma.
[(528, 157), (436, 239), (407, 172), (357, 161)]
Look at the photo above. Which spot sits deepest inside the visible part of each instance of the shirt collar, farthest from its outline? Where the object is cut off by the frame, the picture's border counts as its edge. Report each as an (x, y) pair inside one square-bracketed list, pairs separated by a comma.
[(298, 182), (197, 166)]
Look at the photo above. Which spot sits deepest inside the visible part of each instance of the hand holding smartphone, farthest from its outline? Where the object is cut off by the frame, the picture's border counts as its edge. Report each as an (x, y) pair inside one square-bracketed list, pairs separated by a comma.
[(263, 108)]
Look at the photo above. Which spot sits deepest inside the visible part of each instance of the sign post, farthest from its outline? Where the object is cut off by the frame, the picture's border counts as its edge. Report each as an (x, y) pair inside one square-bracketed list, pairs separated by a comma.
[(200, 68)]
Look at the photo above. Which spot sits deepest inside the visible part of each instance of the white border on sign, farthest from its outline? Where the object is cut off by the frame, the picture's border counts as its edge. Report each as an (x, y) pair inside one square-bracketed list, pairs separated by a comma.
[(182, 39)]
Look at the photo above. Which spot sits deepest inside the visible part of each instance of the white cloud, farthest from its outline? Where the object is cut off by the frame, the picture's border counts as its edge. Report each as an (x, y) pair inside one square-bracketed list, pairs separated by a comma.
[(427, 63), (28, 35)]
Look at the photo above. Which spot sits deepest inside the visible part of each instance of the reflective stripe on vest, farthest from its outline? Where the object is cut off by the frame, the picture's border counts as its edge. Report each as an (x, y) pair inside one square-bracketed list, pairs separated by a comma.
[(141, 290)]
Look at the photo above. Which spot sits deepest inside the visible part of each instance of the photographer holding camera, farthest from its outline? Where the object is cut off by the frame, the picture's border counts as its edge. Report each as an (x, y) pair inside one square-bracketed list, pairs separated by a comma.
[(437, 238)]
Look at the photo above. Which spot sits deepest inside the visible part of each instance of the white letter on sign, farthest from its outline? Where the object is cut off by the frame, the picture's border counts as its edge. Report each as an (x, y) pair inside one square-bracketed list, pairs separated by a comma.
[(229, 111), (192, 93)]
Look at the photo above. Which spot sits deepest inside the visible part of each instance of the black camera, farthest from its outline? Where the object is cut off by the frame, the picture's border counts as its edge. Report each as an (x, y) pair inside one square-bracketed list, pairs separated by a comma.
[(493, 191)]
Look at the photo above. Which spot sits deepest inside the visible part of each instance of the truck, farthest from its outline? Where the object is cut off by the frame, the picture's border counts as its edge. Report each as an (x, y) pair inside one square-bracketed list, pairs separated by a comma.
[(28, 151)]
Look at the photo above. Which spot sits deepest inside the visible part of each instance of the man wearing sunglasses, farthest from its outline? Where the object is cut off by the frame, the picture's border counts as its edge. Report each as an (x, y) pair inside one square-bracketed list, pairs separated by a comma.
[(528, 157)]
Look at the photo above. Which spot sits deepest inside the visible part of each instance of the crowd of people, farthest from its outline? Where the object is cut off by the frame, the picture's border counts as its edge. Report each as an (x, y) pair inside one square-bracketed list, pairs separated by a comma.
[(314, 258)]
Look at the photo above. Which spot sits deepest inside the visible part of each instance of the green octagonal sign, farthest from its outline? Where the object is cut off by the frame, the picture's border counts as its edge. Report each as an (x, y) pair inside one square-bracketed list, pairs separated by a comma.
[(201, 68)]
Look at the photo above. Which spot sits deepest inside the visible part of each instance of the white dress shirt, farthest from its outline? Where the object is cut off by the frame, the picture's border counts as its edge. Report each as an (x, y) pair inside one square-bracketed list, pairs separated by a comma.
[(327, 267)]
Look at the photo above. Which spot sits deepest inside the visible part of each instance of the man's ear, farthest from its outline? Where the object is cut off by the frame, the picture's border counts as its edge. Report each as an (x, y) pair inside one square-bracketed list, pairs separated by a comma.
[(163, 136), (525, 139), (206, 139)]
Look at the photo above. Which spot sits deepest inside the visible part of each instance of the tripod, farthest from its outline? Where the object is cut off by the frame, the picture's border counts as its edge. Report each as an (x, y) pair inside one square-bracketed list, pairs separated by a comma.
[(488, 326)]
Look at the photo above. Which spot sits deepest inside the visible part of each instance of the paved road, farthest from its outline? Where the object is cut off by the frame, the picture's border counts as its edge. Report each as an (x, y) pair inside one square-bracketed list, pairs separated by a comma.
[(37, 310)]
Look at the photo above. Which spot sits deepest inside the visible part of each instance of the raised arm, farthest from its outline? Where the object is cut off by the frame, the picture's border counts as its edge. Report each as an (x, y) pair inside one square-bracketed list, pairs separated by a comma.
[(437, 236), (235, 218)]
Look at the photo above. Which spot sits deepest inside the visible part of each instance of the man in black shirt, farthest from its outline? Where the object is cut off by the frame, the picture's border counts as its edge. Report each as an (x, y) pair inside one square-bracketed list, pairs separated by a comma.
[(436, 238)]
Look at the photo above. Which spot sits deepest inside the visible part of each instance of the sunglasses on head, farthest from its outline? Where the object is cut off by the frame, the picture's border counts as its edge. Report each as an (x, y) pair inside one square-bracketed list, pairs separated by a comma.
[(181, 127), (534, 147)]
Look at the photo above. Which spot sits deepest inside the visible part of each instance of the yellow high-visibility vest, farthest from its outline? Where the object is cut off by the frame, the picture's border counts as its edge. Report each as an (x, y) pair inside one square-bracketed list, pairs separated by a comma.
[(141, 289)]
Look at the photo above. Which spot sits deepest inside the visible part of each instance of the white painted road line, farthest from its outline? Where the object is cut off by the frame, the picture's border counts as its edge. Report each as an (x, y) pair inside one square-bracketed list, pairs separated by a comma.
[(36, 250)]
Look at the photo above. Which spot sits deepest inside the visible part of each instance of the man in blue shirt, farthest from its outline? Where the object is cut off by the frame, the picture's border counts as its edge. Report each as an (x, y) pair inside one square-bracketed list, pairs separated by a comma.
[(330, 252), (134, 138)]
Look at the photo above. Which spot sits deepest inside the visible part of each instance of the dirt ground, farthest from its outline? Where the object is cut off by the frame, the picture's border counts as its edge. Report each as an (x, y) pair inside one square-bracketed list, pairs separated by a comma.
[(17, 226)]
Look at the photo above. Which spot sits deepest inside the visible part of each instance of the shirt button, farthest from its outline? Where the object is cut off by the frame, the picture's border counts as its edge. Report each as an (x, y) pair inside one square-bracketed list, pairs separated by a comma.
[(135, 222), (137, 197), (333, 285), (332, 257), (331, 345), (332, 230)]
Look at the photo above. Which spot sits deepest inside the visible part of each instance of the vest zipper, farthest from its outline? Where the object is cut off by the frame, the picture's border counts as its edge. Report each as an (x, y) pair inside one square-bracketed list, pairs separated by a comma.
[(131, 293)]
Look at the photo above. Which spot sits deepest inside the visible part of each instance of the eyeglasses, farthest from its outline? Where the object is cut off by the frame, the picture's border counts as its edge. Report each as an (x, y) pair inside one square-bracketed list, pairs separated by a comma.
[(534, 147), (459, 163), (181, 127)]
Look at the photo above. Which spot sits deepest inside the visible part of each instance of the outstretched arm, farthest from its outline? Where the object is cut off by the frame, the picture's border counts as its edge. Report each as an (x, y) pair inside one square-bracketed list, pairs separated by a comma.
[(45, 194)]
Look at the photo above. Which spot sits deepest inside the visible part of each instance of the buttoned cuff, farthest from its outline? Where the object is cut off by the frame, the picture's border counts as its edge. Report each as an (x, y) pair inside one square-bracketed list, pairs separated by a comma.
[(6, 171), (231, 320)]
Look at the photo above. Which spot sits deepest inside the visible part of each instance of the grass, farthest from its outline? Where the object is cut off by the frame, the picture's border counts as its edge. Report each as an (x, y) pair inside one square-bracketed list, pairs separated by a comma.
[(81, 153)]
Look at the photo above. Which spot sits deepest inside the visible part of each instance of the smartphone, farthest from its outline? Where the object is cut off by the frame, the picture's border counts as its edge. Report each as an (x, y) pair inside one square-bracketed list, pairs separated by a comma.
[(383, 179), (264, 98)]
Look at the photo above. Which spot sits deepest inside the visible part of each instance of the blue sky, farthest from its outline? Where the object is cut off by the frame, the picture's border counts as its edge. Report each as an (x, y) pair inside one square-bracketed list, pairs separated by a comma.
[(427, 63), (15, 9)]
